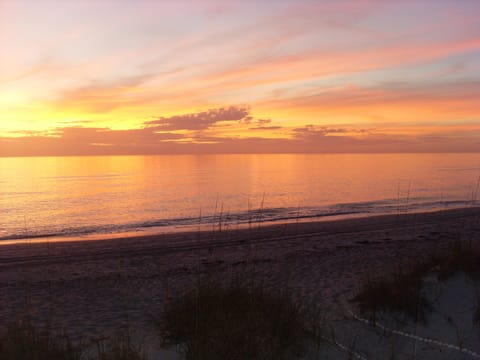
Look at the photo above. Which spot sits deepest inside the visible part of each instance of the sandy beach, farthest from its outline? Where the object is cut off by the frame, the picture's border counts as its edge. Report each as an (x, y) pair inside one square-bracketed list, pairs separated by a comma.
[(97, 286)]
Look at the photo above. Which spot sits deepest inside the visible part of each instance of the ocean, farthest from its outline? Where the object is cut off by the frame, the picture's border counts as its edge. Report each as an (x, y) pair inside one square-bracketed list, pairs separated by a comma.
[(91, 197)]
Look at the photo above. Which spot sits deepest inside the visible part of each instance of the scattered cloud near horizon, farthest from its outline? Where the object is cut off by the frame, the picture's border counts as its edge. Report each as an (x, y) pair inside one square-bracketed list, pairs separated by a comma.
[(202, 120), (148, 77), (198, 133)]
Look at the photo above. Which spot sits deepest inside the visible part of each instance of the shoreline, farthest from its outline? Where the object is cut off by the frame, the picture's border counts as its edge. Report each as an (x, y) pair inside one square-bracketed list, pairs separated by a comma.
[(326, 223), (196, 225)]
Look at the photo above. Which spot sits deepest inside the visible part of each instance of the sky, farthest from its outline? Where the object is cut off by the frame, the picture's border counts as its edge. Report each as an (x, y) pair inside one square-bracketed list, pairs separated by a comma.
[(96, 77)]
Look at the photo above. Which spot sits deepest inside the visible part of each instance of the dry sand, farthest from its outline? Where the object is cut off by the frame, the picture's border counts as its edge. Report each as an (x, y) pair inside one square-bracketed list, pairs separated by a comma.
[(97, 286)]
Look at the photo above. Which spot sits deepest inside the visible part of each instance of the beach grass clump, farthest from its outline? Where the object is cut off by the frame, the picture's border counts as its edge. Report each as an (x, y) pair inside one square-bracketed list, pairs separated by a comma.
[(401, 292), (235, 321), (459, 256), (22, 341)]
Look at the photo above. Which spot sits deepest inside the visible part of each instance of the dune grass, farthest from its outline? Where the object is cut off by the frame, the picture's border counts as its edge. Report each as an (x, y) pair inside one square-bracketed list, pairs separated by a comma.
[(459, 256), (22, 341), (240, 320), (401, 290), (401, 293)]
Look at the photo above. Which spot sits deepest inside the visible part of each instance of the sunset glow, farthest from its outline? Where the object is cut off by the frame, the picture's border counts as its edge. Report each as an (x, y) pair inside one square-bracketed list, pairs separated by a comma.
[(164, 77)]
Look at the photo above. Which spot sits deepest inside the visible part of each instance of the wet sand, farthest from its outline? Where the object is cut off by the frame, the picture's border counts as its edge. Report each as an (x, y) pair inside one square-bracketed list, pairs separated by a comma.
[(96, 286)]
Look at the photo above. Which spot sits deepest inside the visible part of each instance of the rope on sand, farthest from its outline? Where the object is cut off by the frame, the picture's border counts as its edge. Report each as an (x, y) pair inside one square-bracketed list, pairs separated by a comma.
[(416, 337), (344, 348)]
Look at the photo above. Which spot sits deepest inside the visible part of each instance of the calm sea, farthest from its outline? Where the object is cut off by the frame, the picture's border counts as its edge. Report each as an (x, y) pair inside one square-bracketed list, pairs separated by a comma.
[(80, 196)]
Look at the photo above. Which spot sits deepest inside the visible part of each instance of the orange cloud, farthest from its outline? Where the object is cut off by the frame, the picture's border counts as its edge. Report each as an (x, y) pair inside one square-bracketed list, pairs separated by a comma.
[(202, 120), (196, 137)]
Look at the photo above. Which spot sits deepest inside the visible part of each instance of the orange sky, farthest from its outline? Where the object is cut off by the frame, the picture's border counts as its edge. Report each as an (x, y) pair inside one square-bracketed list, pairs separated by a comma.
[(148, 77)]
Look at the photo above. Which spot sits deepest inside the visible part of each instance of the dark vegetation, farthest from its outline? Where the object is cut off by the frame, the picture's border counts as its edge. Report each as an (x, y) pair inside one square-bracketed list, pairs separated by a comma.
[(22, 341), (401, 291), (236, 321)]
